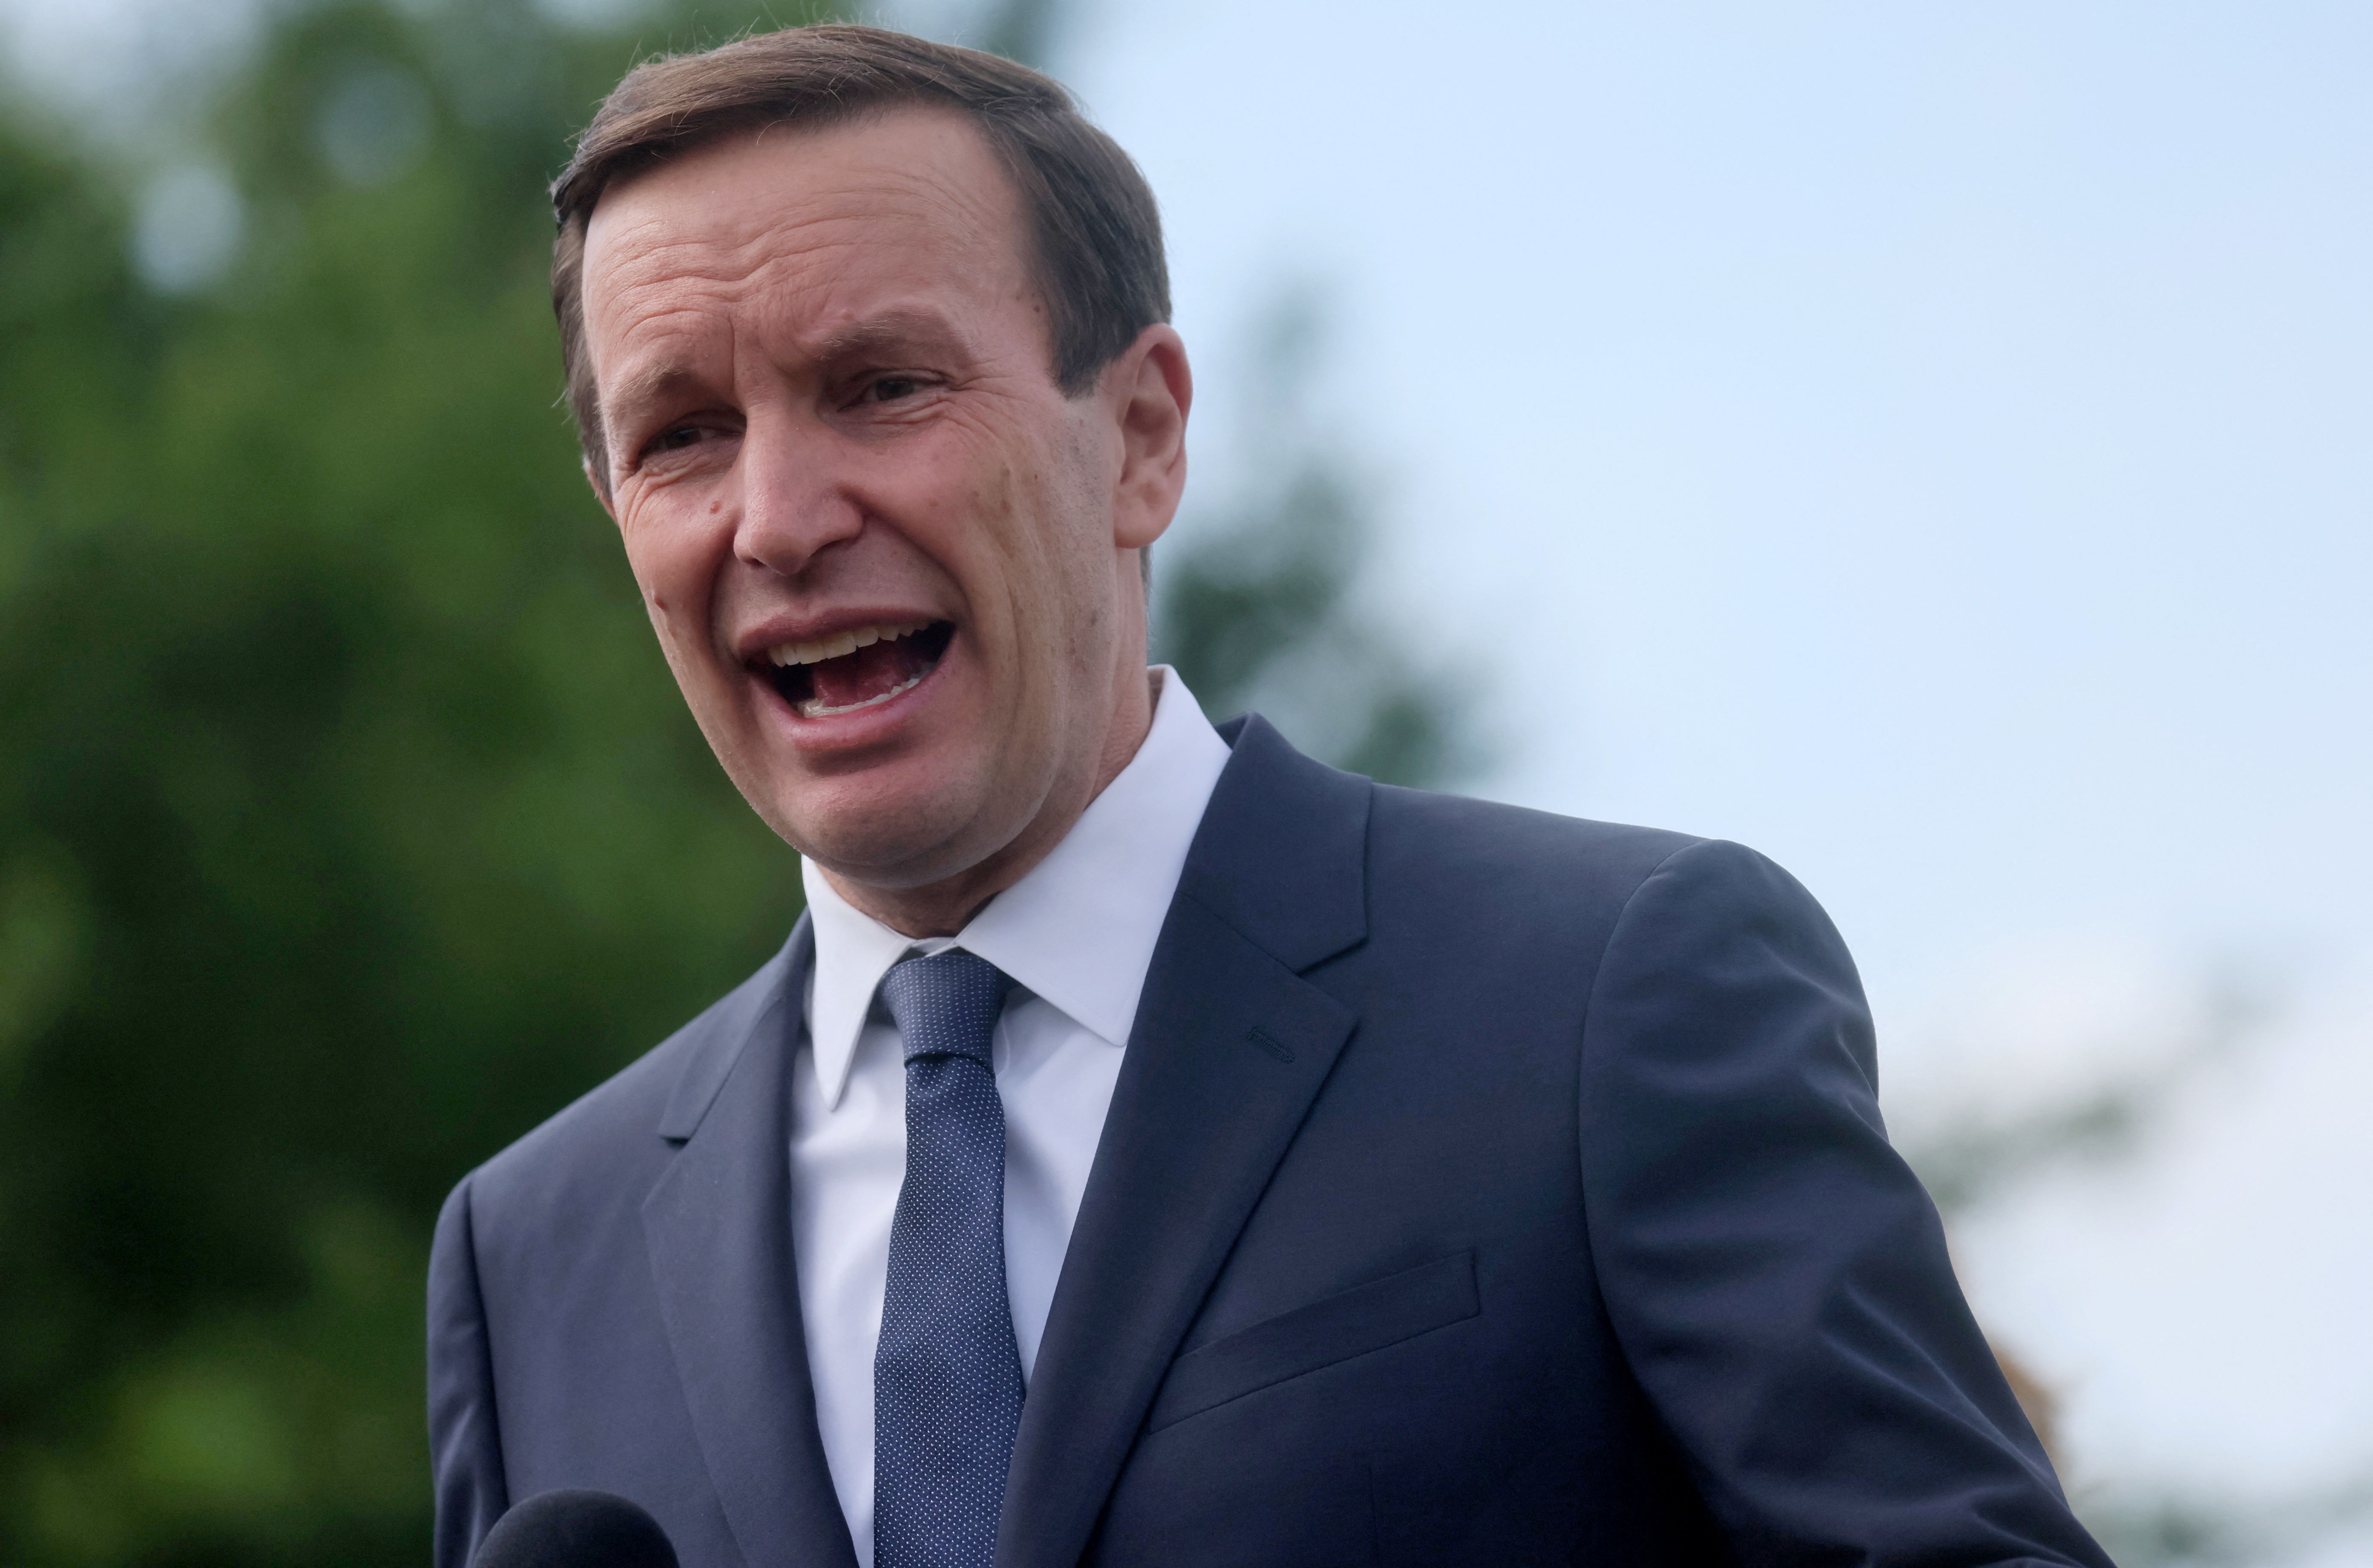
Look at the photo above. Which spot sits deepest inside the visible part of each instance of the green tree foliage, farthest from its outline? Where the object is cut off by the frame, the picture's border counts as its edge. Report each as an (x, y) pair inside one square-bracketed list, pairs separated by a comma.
[(349, 821)]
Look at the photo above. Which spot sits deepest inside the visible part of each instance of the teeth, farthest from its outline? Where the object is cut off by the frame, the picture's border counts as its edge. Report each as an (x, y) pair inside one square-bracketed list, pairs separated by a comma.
[(814, 709), (788, 653)]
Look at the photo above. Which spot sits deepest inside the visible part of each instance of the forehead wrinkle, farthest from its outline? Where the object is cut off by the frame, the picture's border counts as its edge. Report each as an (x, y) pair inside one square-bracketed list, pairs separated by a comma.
[(819, 270), (725, 236), (657, 340), (792, 287), (971, 185), (966, 203)]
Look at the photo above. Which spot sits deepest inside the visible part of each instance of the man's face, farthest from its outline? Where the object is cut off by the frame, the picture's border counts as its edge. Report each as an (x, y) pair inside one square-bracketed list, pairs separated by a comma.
[(893, 567)]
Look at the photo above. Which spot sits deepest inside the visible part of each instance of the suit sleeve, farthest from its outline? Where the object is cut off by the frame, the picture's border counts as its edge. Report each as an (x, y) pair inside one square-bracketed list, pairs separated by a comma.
[(464, 1446), (1775, 1273)]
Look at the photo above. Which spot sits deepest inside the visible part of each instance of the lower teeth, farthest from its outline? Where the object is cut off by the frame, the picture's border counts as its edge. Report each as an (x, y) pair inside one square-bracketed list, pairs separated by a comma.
[(813, 707)]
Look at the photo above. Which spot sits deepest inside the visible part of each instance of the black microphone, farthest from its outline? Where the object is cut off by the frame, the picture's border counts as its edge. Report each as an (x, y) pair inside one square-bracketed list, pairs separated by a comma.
[(576, 1528)]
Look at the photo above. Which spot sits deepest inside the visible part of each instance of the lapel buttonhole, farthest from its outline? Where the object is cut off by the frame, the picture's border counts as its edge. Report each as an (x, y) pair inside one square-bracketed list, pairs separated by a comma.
[(1268, 1047)]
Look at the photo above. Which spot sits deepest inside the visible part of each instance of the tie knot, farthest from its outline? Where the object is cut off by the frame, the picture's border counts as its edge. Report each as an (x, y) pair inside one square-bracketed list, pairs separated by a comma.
[(946, 1004)]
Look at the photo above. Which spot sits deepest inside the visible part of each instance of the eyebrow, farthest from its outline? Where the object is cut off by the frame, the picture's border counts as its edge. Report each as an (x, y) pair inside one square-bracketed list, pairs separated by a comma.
[(890, 329), (654, 385)]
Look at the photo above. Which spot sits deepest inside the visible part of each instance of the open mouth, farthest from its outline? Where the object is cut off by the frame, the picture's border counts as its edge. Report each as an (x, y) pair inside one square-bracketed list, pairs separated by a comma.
[(855, 669)]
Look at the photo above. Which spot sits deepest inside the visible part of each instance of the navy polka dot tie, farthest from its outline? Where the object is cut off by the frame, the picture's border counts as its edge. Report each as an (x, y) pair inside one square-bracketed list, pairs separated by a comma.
[(947, 1379)]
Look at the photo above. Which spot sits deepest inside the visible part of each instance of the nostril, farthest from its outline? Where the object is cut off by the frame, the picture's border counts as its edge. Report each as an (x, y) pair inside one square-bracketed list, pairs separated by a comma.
[(786, 536)]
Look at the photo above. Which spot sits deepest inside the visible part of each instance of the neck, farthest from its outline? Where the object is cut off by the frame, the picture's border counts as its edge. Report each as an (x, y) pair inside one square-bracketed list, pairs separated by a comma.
[(944, 908)]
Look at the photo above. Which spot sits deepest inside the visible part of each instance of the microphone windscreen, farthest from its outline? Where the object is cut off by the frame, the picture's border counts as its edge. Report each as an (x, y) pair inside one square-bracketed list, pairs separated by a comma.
[(576, 1528)]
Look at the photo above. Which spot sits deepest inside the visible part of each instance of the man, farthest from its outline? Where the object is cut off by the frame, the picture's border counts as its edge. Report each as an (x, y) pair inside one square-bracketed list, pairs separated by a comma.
[(1153, 1147)]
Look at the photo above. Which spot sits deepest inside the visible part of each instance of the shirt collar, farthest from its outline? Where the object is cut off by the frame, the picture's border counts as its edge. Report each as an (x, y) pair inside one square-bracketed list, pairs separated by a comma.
[(1077, 929)]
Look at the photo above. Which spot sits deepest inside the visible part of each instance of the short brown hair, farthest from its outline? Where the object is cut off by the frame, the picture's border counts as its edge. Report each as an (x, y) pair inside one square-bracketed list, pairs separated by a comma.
[(1095, 233)]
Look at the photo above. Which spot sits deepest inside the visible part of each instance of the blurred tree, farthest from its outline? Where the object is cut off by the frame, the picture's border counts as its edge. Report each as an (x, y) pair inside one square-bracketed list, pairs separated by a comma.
[(1022, 29), (1971, 1160), (349, 821), (1258, 606), (1974, 1160)]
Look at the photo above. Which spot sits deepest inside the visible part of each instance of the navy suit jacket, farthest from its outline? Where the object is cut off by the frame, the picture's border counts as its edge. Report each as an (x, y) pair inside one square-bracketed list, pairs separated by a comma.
[(1480, 1187)]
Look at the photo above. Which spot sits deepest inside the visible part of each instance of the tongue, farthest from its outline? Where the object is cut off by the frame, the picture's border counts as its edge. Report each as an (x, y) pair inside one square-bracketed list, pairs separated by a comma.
[(870, 672)]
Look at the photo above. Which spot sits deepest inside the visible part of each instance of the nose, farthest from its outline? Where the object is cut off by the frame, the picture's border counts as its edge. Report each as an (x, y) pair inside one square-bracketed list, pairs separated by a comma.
[(796, 501)]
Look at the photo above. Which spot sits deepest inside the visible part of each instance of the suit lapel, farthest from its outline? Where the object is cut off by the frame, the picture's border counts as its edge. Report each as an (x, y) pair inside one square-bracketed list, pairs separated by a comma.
[(1230, 1048), (718, 1230)]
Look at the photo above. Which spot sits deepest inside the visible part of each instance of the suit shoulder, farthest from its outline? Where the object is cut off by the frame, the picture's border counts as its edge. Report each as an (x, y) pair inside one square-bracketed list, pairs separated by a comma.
[(1437, 860), (1448, 844)]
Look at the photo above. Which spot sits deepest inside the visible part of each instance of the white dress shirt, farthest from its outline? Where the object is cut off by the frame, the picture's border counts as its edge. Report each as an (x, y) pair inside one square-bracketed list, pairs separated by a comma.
[(1077, 935)]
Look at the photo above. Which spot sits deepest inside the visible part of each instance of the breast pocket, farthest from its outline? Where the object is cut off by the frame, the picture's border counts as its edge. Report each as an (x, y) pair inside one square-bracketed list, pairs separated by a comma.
[(1326, 1333)]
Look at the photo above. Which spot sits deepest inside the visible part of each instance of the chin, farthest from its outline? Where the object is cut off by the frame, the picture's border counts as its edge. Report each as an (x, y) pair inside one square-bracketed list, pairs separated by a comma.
[(885, 831)]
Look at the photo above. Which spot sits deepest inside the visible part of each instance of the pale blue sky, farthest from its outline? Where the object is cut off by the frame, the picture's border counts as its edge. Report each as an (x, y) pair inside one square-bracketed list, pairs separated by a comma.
[(1930, 444), (1927, 443)]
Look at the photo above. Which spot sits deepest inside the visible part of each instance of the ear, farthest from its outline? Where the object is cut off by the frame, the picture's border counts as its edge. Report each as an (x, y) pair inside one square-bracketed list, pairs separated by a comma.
[(600, 491), (1150, 389)]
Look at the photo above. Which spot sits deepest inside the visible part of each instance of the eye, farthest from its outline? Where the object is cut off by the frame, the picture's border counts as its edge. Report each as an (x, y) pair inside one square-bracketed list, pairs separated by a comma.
[(679, 439), (890, 388)]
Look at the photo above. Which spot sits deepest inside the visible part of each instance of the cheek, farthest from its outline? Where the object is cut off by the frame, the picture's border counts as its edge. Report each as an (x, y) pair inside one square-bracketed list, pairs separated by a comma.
[(674, 561), (1027, 552), (1011, 518), (1079, 537), (1057, 545)]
